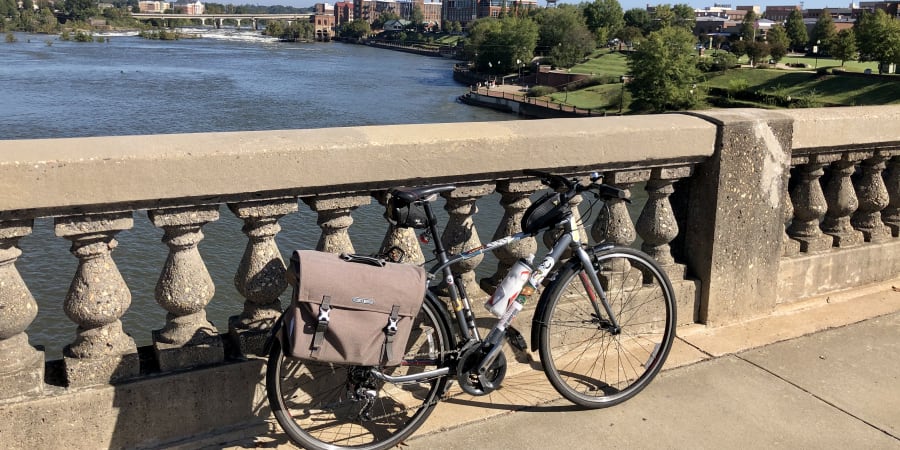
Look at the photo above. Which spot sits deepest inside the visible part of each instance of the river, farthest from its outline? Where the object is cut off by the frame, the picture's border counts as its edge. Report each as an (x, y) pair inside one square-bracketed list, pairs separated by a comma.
[(229, 80)]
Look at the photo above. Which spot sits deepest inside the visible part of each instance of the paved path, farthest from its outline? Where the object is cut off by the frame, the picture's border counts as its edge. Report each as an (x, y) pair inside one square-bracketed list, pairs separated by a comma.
[(819, 375)]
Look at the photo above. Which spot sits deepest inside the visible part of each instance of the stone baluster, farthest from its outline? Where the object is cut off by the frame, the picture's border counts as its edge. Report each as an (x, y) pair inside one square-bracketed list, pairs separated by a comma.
[(657, 225), (335, 219), (515, 199), (98, 297), (809, 207), (460, 234), (21, 365), (403, 238), (891, 214), (184, 289), (789, 247), (842, 203), (873, 197), (615, 225), (260, 276)]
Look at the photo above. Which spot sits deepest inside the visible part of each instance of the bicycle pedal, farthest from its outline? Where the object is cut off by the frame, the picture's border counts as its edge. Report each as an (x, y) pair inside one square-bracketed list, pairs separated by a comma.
[(516, 340)]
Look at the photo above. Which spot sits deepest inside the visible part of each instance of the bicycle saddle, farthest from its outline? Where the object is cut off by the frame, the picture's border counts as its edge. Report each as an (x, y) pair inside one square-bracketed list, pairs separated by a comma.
[(413, 194)]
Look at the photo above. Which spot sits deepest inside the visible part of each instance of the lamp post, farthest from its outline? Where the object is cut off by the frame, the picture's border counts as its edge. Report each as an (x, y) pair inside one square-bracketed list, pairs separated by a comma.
[(519, 63), (816, 52)]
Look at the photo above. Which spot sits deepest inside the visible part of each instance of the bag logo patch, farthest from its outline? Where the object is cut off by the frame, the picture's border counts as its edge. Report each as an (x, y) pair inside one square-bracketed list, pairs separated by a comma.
[(363, 300)]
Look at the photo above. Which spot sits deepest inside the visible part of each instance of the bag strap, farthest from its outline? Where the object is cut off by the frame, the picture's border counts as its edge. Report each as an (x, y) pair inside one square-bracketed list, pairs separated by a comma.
[(389, 331), (372, 261), (322, 323)]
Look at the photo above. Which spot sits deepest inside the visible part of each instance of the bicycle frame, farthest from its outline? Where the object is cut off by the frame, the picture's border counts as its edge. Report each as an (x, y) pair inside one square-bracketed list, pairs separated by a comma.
[(570, 239)]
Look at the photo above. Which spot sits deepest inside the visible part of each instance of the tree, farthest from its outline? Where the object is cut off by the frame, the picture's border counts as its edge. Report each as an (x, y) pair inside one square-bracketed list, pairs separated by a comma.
[(796, 30), (684, 16), (417, 17), (638, 18), (630, 35), (8, 9), (823, 32), (357, 29), (664, 71), (663, 17), (274, 28), (80, 10), (748, 27), (604, 18), (779, 42), (757, 50), (496, 45), (878, 38), (844, 46), (564, 35)]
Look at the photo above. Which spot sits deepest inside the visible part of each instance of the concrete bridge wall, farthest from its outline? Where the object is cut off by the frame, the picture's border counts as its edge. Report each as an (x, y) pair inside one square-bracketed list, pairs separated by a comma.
[(746, 210)]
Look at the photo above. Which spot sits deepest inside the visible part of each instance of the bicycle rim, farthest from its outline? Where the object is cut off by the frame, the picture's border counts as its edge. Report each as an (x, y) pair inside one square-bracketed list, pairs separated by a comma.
[(317, 407), (583, 358)]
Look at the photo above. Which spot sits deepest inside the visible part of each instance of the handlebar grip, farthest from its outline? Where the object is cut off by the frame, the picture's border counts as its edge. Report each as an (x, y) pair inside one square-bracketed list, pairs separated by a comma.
[(609, 192)]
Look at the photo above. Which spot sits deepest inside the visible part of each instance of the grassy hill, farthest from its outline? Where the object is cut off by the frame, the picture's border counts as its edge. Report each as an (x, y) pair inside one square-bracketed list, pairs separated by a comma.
[(764, 88), (811, 88)]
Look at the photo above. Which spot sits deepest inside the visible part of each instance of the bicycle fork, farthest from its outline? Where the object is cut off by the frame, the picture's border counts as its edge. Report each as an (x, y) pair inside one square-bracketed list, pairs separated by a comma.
[(591, 283)]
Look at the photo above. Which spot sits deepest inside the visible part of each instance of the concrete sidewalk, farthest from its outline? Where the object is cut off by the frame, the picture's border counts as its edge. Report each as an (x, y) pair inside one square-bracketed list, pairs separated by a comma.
[(822, 374)]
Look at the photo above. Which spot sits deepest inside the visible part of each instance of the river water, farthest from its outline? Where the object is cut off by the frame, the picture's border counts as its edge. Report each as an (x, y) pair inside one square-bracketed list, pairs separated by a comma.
[(229, 80)]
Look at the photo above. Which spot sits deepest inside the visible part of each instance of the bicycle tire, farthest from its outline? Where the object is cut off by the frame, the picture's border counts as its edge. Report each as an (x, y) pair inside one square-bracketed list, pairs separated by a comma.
[(312, 404), (584, 361)]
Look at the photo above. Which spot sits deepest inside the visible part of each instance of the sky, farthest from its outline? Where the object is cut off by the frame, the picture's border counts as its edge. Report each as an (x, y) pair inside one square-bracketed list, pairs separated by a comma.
[(626, 4)]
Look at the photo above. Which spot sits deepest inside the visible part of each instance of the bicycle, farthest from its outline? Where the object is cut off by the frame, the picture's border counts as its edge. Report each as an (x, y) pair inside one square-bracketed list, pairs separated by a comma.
[(602, 334)]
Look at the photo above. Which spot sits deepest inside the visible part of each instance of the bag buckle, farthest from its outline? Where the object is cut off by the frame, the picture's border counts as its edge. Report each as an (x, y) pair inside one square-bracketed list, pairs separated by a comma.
[(324, 310), (322, 325)]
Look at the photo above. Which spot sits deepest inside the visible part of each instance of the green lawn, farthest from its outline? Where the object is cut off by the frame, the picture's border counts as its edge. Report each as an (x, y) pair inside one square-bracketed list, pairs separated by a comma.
[(606, 63), (850, 66), (598, 98), (447, 39), (829, 89)]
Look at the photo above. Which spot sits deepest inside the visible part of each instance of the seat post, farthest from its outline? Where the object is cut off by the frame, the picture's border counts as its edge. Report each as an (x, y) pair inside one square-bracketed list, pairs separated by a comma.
[(439, 249)]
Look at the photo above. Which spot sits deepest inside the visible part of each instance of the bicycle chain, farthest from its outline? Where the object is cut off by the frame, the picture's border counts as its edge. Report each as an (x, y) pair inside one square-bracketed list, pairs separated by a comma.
[(424, 405)]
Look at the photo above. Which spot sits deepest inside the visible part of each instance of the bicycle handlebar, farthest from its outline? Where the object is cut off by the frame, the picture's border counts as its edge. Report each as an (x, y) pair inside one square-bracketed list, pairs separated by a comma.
[(550, 179), (572, 186)]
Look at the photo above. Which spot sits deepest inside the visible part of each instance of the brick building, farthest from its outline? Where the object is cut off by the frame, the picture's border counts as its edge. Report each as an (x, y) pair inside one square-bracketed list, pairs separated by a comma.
[(779, 14)]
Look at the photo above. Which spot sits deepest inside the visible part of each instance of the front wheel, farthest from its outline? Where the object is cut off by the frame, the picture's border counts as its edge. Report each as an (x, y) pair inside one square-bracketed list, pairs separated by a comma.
[(588, 360), (329, 406)]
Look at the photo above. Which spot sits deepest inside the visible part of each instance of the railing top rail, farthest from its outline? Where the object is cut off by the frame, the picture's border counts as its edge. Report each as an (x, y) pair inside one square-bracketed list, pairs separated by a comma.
[(846, 127), (57, 176)]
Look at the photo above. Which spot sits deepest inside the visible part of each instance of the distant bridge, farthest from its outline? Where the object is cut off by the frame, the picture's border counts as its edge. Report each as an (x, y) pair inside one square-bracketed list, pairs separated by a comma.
[(219, 18)]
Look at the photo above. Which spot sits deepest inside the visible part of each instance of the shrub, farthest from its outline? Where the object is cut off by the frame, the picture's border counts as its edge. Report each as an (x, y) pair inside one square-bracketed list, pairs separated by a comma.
[(540, 91), (737, 85), (83, 36)]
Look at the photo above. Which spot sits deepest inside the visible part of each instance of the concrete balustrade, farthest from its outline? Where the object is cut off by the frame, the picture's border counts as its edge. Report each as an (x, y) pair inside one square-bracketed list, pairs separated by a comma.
[(746, 209)]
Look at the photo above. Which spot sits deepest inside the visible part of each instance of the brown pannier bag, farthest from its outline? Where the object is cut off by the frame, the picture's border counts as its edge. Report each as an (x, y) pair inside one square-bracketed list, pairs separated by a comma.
[(351, 309)]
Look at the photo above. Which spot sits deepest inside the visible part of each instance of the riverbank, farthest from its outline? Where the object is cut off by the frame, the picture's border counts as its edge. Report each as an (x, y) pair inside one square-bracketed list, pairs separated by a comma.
[(405, 48), (512, 99)]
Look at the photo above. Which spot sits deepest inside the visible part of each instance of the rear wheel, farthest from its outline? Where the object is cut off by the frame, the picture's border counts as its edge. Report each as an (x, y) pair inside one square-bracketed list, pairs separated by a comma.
[(585, 357), (327, 406)]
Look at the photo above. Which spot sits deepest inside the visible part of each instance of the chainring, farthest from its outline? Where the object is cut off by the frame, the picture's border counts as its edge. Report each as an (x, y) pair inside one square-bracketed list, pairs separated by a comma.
[(470, 381)]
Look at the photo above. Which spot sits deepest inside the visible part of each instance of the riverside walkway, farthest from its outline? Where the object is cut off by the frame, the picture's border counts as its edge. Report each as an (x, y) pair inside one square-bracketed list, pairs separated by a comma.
[(512, 98), (818, 375)]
